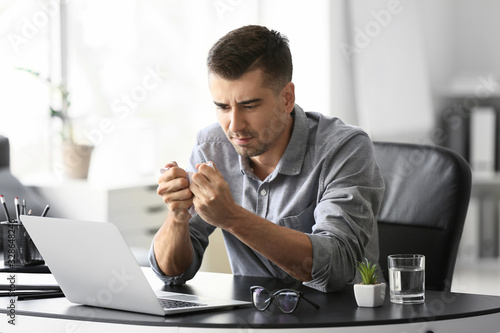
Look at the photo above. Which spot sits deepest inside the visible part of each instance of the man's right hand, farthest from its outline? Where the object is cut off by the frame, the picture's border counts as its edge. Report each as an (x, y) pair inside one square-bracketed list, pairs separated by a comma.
[(173, 187), (172, 243)]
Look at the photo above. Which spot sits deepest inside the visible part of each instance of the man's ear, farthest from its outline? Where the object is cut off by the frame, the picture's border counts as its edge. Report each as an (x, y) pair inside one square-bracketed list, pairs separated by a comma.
[(288, 95)]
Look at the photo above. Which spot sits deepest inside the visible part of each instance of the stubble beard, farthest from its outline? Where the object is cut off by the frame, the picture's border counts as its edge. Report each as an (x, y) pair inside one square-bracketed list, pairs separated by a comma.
[(264, 140)]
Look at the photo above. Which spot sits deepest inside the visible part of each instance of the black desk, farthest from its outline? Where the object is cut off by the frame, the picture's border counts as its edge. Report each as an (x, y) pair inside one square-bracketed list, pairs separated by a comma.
[(442, 312)]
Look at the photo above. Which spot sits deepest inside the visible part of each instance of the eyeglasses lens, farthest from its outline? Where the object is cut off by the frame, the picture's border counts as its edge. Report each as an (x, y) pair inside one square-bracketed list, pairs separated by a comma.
[(261, 298), (287, 301)]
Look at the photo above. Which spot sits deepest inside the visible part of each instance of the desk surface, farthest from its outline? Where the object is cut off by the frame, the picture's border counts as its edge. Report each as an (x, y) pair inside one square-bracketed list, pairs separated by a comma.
[(336, 309)]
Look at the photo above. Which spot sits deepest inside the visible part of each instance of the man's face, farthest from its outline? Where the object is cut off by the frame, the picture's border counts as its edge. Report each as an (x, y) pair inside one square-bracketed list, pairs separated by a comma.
[(251, 114)]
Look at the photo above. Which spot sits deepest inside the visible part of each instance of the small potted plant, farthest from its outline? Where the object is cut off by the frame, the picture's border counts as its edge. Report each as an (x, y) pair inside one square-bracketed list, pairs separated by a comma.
[(369, 292), (75, 156)]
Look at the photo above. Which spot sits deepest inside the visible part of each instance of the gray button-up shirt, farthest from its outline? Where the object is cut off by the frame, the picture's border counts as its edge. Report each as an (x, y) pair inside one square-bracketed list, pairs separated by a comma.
[(327, 185)]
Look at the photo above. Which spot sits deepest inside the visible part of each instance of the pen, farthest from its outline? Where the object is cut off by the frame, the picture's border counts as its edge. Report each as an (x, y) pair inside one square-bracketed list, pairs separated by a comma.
[(5, 208), (25, 292), (16, 204), (45, 210), (40, 295), (23, 210), (32, 288)]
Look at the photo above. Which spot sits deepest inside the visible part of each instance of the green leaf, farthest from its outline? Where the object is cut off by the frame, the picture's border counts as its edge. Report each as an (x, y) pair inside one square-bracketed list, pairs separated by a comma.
[(368, 271), (55, 113)]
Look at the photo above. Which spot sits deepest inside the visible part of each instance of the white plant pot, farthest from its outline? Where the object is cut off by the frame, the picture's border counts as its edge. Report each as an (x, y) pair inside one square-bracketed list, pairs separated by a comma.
[(369, 295), (76, 160)]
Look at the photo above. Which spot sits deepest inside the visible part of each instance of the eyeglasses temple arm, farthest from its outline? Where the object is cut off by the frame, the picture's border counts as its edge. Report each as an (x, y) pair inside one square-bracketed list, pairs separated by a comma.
[(310, 302)]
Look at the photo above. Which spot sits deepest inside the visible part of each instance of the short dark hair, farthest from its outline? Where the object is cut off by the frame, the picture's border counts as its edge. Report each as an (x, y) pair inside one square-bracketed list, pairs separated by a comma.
[(249, 48)]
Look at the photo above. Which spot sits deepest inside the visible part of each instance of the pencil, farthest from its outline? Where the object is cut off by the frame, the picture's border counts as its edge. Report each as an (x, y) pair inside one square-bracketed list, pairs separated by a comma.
[(5, 210), (16, 204), (45, 210)]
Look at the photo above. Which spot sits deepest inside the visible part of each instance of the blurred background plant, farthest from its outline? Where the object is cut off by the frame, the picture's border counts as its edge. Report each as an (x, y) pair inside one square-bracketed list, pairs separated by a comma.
[(59, 95)]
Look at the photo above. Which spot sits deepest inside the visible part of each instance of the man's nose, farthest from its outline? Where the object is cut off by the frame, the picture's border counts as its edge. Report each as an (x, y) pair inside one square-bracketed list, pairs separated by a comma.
[(238, 122)]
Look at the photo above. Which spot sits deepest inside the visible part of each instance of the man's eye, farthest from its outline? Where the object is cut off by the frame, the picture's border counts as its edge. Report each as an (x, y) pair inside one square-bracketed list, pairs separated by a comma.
[(222, 107), (250, 107)]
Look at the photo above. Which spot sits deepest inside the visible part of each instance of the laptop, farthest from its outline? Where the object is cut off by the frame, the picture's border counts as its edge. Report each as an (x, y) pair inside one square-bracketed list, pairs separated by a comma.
[(94, 266)]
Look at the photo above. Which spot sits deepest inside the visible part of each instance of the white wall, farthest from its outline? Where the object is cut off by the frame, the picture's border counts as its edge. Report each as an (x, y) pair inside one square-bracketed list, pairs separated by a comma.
[(306, 24), (391, 83), (439, 40), (476, 27)]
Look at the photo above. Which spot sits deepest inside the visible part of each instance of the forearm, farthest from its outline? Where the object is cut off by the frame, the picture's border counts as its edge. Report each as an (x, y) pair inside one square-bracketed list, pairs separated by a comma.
[(172, 246), (291, 250)]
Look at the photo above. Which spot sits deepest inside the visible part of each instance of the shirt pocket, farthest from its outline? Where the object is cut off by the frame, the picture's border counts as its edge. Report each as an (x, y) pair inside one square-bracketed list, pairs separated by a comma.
[(302, 222)]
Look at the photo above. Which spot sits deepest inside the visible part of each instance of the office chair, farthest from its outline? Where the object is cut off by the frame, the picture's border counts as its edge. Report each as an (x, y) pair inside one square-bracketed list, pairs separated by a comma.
[(11, 187), (427, 192)]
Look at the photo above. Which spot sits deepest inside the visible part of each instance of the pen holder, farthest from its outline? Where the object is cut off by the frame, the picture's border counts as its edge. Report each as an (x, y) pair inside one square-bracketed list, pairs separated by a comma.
[(18, 248)]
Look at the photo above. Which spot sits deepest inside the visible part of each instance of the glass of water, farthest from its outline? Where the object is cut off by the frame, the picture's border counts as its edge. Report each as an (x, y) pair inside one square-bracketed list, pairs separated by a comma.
[(407, 278)]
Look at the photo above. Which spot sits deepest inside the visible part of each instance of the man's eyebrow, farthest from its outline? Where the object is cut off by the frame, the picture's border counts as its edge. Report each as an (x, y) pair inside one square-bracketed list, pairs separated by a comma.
[(249, 101), (221, 105)]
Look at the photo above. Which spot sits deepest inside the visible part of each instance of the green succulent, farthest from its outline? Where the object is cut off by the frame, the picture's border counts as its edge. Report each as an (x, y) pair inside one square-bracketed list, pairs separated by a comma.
[(369, 272)]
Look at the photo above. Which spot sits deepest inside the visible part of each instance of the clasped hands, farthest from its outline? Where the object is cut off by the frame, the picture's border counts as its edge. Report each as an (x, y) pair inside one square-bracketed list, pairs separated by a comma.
[(207, 191)]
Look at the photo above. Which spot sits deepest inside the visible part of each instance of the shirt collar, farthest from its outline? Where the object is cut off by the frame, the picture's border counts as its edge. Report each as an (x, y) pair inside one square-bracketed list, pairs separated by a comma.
[(292, 160)]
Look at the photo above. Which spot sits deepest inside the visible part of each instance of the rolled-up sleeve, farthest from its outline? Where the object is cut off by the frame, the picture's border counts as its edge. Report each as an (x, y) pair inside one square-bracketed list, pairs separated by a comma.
[(345, 229)]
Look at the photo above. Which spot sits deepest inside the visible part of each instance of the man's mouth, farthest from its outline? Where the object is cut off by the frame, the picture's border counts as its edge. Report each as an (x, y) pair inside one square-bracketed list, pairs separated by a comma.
[(241, 140)]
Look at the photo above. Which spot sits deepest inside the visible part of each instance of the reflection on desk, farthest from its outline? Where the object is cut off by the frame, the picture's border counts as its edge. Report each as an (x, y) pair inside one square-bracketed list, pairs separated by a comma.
[(441, 311)]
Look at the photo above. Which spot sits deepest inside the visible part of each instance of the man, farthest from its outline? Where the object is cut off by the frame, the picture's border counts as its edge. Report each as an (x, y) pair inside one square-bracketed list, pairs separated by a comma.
[(295, 193)]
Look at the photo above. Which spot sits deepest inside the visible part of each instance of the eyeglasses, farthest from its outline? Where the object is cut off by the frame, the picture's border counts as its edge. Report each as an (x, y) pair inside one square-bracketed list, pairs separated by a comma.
[(287, 299)]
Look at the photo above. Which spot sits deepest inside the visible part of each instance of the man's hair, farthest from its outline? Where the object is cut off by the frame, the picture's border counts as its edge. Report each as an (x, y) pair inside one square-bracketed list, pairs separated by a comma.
[(249, 48)]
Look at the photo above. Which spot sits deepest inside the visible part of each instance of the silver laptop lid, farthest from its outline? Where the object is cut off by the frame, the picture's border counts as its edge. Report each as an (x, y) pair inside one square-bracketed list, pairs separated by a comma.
[(93, 264)]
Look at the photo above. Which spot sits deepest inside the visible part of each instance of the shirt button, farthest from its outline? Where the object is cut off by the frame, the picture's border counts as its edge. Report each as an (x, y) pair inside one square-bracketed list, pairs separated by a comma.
[(263, 192)]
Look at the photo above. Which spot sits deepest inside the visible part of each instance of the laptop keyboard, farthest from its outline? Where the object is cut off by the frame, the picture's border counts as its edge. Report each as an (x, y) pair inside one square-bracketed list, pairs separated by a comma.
[(173, 304)]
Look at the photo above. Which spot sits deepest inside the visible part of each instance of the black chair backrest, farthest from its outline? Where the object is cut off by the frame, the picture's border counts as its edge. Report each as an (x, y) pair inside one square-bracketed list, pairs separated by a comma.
[(424, 207), (4, 152), (11, 187)]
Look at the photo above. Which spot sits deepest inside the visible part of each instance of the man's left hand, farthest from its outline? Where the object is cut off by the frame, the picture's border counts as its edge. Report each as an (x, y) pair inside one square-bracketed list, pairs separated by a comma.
[(212, 198)]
